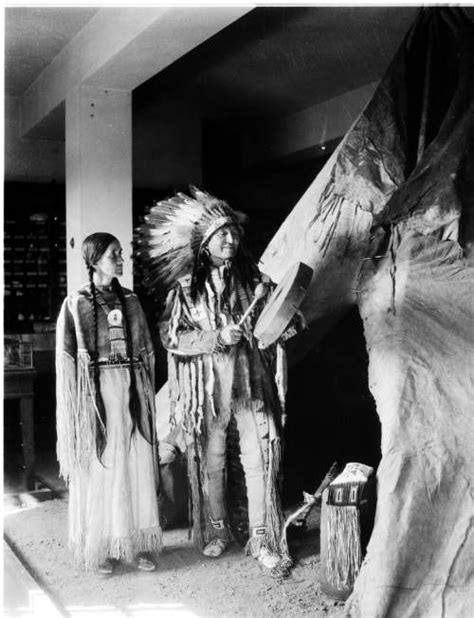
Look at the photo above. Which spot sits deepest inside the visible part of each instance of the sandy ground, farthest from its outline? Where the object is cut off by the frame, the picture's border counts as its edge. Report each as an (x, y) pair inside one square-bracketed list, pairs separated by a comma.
[(185, 584)]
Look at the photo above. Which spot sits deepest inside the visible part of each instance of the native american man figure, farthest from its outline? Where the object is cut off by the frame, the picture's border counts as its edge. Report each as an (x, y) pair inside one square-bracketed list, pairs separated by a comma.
[(223, 387)]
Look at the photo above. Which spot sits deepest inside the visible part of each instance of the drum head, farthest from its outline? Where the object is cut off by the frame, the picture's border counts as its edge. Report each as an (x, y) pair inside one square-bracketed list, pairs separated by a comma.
[(283, 303)]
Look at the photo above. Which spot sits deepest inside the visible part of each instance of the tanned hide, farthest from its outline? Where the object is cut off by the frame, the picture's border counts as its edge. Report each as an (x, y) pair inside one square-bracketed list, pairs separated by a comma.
[(388, 225)]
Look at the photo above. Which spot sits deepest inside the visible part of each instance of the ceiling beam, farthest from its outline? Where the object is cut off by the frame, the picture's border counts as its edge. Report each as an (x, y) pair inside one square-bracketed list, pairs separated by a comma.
[(309, 130), (120, 48)]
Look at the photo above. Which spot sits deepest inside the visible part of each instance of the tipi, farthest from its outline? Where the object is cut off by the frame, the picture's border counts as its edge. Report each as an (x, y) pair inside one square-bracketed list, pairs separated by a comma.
[(389, 226)]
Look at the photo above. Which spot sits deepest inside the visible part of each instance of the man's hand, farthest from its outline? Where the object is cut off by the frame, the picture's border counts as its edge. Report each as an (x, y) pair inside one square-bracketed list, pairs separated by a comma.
[(231, 334)]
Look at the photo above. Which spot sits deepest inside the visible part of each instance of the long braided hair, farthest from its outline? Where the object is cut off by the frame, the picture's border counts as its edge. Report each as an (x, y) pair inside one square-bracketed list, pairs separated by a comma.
[(93, 248), (135, 407)]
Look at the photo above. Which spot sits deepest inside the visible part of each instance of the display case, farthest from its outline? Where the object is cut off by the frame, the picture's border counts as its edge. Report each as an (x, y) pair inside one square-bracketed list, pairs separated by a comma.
[(17, 354), (34, 256), (18, 384)]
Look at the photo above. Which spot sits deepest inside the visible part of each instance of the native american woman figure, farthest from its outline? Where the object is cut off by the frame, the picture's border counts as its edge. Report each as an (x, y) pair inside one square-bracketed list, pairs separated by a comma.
[(224, 389), (106, 445)]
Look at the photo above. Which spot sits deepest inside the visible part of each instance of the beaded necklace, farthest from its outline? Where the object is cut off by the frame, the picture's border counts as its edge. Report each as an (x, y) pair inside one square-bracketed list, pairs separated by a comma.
[(118, 345)]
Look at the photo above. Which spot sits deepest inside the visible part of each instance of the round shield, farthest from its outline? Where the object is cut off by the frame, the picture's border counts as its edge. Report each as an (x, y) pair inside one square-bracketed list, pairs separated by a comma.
[(283, 304)]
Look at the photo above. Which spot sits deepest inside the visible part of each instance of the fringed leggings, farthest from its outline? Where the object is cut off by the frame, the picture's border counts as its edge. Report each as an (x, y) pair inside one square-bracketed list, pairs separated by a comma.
[(253, 463)]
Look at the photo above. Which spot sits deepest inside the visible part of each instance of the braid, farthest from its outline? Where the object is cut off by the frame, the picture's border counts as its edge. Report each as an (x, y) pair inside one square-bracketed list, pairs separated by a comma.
[(246, 267), (216, 297), (134, 399), (201, 269), (99, 402)]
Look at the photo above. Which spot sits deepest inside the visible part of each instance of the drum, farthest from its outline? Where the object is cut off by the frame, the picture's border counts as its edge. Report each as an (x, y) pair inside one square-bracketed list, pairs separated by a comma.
[(283, 304)]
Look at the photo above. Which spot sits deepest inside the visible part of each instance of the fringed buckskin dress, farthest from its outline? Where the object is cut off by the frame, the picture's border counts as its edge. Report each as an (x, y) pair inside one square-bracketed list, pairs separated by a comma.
[(113, 509)]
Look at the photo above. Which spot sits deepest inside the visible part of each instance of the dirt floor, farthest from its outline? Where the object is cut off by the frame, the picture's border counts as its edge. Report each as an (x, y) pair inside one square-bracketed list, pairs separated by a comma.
[(185, 584)]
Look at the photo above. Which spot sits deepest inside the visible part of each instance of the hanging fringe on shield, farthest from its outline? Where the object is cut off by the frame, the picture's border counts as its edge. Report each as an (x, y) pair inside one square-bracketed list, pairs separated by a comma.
[(344, 534)]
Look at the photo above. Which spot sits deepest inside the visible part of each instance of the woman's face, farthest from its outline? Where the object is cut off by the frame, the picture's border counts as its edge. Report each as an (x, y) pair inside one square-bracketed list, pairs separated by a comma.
[(224, 243), (110, 265)]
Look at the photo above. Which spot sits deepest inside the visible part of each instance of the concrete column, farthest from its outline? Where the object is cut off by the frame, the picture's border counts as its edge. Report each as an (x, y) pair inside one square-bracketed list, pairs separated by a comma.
[(98, 173)]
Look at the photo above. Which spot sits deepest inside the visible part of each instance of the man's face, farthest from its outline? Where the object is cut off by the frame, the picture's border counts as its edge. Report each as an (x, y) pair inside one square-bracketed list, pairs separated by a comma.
[(224, 243)]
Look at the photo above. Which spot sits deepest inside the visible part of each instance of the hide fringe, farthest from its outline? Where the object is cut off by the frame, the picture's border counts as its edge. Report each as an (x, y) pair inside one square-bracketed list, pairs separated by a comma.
[(274, 515), (202, 530), (281, 375), (66, 412), (76, 415), (192, 379), (254, 545), (344, 546), (188, 385), (199, 511), (126, 549)]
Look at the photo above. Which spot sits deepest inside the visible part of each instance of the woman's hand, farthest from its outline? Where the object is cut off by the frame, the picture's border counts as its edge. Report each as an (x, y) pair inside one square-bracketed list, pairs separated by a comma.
[(231, 334)]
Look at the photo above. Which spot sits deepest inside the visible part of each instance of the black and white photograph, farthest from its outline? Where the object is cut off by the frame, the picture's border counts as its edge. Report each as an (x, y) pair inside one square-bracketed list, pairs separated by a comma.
[(238, 309)]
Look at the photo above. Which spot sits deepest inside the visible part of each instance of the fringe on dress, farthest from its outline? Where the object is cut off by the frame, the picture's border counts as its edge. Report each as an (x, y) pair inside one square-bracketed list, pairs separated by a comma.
[(113, 508)]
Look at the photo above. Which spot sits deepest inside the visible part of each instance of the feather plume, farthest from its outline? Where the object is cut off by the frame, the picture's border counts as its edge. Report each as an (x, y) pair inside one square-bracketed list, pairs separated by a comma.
[(175, 230)]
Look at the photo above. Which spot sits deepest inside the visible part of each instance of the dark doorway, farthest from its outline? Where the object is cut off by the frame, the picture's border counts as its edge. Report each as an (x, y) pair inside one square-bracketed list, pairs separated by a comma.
[(331, 412)]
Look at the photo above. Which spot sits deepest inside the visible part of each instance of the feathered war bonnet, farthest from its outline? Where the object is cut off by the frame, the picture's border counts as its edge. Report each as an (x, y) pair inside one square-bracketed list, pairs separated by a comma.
[(176, 230)]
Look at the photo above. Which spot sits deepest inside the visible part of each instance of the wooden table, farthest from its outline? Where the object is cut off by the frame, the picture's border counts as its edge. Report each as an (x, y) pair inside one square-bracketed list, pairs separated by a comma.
[(19, 385)]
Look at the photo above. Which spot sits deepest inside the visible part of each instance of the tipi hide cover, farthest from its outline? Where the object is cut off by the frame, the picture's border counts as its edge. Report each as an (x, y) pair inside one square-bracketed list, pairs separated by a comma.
[(388, 225)]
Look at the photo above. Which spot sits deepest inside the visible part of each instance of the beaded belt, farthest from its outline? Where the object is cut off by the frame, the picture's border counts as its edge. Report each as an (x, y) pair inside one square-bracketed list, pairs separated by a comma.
[(116, 361)]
